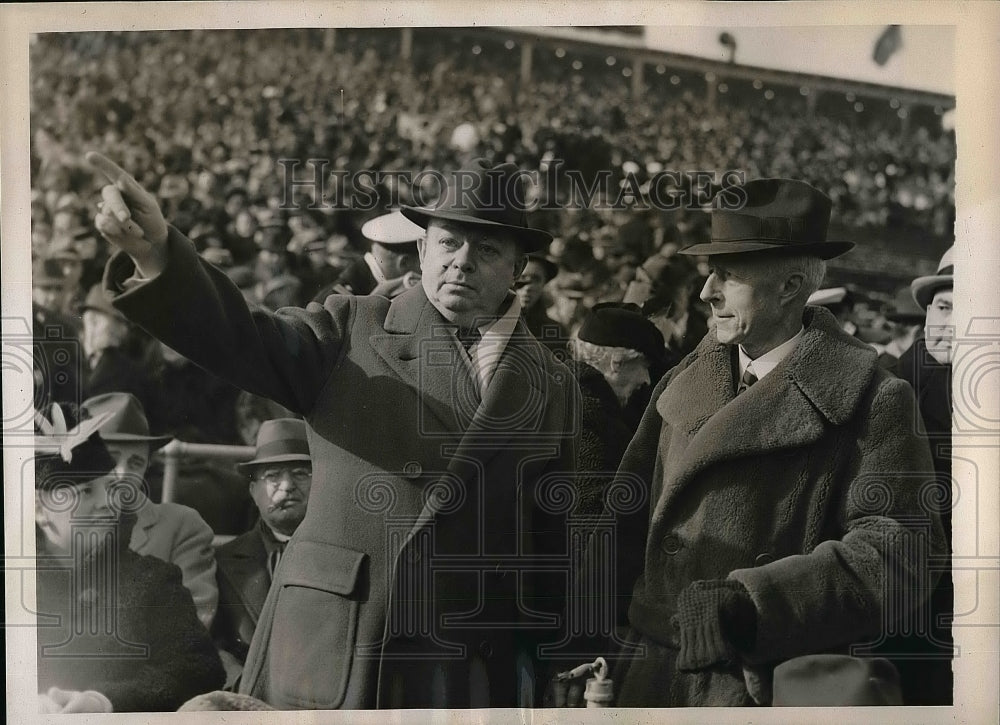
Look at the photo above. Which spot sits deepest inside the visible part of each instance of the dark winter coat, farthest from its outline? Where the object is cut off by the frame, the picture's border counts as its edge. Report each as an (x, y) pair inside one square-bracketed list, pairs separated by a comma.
[(150, 653), (603, 438), (241, 571), (809, 489), (396, 590)]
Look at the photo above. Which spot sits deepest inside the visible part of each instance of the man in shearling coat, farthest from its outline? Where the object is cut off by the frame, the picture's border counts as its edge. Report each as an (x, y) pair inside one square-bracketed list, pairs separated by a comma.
[(426, 572), (789, 512)]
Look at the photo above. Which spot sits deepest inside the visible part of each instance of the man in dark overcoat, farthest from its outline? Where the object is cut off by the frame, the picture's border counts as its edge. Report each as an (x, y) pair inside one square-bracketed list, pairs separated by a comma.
[(427, 571), (280, 477), (789, 510)]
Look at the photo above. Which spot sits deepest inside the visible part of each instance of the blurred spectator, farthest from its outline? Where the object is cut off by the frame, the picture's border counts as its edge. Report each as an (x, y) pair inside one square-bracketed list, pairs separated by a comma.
[(530, 289), (393, 256), (924, 656), (611, 359), (169, 531), (57, 353), (109, 367), (663, 287), (906, 320), (840, 301)]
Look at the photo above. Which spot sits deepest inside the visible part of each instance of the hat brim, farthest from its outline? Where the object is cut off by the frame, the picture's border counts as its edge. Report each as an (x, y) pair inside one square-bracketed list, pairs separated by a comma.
[(247, 466), (533, 240), (823, 250), (923, 288), (153, 441)]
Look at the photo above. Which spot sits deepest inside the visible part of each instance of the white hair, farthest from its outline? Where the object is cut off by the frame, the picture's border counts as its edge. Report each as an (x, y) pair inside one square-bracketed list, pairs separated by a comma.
[(601, 357), (812, 269), (778, 269)]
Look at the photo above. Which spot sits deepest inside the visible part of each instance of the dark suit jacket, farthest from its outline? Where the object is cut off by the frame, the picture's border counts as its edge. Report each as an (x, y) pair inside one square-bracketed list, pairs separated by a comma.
[(241, 572), (427, 569)]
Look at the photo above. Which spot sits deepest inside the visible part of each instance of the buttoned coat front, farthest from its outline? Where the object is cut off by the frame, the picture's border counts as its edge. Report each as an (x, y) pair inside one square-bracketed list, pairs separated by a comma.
[(814, 489), (431, 546)]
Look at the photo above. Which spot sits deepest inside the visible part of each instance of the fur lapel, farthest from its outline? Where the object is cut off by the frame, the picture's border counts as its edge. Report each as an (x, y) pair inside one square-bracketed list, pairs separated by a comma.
[(819, 384)]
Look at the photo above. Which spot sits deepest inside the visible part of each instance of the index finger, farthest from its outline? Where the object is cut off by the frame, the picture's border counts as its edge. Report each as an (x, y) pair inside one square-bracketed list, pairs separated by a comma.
[(106, 166)]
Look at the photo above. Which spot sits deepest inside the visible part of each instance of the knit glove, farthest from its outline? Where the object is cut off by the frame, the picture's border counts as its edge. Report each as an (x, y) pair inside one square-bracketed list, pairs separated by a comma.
[(715, 619)]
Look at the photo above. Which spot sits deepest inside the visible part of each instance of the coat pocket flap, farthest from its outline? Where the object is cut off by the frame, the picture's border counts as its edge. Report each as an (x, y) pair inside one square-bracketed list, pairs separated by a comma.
[(325, 567)]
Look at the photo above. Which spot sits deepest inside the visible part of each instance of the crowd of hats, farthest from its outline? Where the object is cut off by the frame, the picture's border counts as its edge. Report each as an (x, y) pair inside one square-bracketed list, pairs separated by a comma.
[(203, 117), (218, 111)]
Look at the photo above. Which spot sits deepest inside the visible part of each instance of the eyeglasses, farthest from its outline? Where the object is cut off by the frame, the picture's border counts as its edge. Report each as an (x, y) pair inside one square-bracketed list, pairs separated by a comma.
[(274, 476)]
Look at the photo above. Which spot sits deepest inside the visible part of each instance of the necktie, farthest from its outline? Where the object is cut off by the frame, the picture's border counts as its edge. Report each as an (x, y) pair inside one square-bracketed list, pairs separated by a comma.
[(746, 381), (468, 338), (273, 558)]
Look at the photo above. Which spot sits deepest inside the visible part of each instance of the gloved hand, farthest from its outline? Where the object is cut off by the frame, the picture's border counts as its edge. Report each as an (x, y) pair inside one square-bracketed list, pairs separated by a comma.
[(715, 619)]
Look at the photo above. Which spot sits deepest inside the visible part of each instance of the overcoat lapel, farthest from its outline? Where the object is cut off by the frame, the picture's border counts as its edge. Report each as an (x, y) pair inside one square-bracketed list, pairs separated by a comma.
[(146, 518), (420, 348), (788, 408), (248, 576), (513, 403)]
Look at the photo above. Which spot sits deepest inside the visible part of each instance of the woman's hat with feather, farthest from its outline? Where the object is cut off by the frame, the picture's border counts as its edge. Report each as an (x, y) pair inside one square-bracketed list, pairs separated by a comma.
[(69, 455)]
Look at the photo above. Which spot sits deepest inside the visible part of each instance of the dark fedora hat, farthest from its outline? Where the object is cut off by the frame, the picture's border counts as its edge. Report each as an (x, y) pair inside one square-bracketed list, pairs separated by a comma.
[(281, 440), (548, 265), (614, 324), (127, 421), (490, 197), (771, 215)]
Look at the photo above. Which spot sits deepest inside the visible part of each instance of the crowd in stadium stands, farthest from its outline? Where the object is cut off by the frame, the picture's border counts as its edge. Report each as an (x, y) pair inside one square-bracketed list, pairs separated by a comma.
[(203, 118)]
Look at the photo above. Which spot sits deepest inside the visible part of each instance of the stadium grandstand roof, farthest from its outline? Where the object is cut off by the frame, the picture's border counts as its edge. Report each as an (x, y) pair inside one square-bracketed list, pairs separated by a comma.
[(636, 47)]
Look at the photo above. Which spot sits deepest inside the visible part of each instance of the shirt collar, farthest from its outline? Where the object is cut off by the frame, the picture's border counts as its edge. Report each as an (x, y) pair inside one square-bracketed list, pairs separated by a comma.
[(486, 353), (769, 360)]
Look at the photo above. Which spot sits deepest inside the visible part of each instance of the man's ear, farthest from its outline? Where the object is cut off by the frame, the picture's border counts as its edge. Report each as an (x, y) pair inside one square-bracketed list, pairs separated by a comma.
[(791, 288), (421, 247)]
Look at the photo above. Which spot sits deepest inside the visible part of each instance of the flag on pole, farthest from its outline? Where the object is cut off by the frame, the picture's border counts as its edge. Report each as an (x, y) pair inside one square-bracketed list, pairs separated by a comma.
[(888, 43)]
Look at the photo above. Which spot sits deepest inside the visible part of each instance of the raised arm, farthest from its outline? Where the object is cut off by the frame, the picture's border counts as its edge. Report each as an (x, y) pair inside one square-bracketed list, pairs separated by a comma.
[(159, 282)]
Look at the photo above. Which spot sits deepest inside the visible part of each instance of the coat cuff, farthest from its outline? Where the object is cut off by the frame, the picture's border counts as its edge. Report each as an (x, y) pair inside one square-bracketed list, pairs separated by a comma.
[(712, 620)]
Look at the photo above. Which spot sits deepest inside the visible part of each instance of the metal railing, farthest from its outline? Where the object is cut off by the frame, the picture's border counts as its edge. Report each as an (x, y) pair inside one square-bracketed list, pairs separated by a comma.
[(176, 450)]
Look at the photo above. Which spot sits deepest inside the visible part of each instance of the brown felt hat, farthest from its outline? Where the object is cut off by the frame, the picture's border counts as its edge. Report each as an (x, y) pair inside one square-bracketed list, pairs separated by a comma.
[(282, 440), (127, 422)]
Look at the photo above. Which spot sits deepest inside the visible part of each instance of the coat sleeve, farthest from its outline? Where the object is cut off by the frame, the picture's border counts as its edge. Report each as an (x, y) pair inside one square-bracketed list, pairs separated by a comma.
[(196, 310), (192, 552), (182, 661), (845, 590)]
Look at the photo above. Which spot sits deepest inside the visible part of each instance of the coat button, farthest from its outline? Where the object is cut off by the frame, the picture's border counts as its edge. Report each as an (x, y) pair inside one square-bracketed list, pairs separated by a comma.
[(413, 469), (671, 544), (485, 650), (763, 559)]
